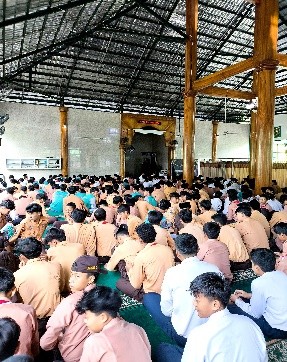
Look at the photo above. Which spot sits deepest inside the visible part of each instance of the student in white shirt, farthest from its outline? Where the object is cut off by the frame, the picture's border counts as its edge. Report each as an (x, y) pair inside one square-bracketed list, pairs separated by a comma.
[(224, 337), (267, 305), (173, 310)]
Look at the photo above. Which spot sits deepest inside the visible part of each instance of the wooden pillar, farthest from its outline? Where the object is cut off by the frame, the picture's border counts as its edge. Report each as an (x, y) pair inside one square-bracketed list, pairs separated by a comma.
[(122, 161), (214, 141), (253, 131), (170, 157), (64, 140), (189, 94), (265, 52)]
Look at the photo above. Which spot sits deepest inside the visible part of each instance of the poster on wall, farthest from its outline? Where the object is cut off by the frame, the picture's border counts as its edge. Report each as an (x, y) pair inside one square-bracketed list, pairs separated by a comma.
[(277, 133)]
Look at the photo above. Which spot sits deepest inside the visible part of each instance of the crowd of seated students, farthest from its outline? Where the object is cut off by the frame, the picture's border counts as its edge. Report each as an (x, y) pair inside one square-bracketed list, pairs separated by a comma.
[(175, 246)]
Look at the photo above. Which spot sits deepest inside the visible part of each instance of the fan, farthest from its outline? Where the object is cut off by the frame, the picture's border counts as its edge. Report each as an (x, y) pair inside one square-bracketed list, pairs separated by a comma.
[(2, 130)]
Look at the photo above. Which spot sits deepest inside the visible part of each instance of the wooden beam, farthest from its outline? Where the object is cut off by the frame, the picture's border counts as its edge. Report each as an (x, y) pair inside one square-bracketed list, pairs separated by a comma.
[(227, 93), (282, 59), (281, 91), (189, 94), (225, 73)]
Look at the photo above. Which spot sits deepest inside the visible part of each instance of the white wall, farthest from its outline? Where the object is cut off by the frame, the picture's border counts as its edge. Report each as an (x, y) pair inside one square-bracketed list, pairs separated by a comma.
[(228, 145), (34, 131), (281, 120)]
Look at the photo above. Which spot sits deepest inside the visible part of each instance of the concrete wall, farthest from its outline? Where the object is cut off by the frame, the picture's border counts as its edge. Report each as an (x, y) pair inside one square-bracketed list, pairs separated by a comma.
[(234, 144), (34, 131)]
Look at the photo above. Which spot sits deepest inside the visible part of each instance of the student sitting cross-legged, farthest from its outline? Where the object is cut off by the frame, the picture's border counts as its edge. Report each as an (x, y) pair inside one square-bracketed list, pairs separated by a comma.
[(173, 310), (112, 339), (149, 266), (224, 337), (66, 328), (267, 305)]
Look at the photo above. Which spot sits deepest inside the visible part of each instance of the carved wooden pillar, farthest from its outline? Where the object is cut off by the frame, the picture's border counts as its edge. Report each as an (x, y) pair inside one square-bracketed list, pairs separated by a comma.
[(189, 94), (214, 141), (64, 140), (122, 161), (253, 131)]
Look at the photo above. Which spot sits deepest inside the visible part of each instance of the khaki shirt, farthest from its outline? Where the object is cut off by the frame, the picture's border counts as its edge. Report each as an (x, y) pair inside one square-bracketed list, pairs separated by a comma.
[(150, 266), (65, 254), (163, 237), (278, 216), (105, 237), (256, 215), (81, 233), (126, 251), (232, 239), (253, 234), (133, 222), (29, 228), (73, 198), (206, 216), (194, 229), (39, 285), (144, 207)]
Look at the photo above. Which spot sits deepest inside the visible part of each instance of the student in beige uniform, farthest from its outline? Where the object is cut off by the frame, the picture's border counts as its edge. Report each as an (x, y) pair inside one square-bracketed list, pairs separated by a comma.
[(206, 212), (79, 232), (131, 221), (251, 231), (62, 252), (125, 252), (105, 236), (38, 282), (5, 207), (23, 314), (162, 235), (257, 215), (33, 225), (112, 339), (143, 206), (238, 255), (73, 198), (191, 226), (66, 329), (150, 265)]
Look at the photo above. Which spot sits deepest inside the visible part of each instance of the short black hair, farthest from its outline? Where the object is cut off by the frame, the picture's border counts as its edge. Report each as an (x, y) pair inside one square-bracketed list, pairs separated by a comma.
[(206, 204), (280, 228), (34, 208), (185, 215), (7, 280), (29, 247), (243, 209), (212, 286), (146, 232), (219, 218), (72, 189), (211, 230), (79, 215), (117, 200), (54, 234), (254, 204), (122, 230), (8, 204), (100, 214), (164, 204), (186, 244), (123, 208), (264, 258), (9, 337), (174, 194), (100, 299), (154, 217), (72, 204)]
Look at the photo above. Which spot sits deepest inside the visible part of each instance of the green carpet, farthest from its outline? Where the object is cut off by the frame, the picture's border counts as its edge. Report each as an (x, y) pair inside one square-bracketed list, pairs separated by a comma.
[(134, 312)]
